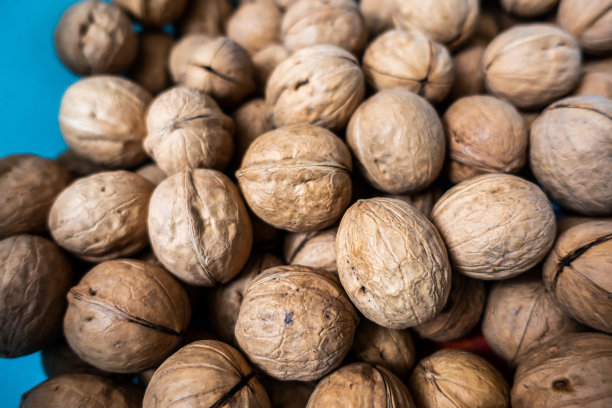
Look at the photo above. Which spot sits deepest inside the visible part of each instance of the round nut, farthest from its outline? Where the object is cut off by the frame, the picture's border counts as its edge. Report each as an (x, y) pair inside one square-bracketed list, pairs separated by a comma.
[(316, 249), (423, 201), (149, 70), (469, 77), (589, 22), (266, 61), (152, 173), (251, 120), (155, 12), (596, 79), (255, 26), (181, 52)]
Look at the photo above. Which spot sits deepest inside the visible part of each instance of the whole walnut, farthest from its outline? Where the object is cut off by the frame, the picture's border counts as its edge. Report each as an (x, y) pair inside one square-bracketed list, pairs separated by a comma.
[(149, 70), (469, 77), (102, 119), (126, 316), (35, 276), (409, 60), (495, 226), (77, 165), (448, 22), (255, 26), (460, 314), (28, 186), (392, 263), (321, 85), (378, 15), (181, 52), (398, 141), (596, 79), (251, 120), (590, 22), (199, 227), (205, 16), (570, 153), (456, 378), (484, 135), (532, 65), (423, 201), (577, 272), (58, 359), (186, 129), (572, 370), (296, 323), (335, 22), (528, 8), (226, 299), (102, 216), (361, 385), (266, 61), (315, 248), (152, 173), (79, 390), (389, 348), (154, 12), (297, 178), (93, 37), (206, 373)]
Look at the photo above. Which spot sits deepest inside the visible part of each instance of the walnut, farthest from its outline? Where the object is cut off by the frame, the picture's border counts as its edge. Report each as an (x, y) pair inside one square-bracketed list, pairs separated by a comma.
[(152, 173), (495, 226), (58, 358), (404, 154), (378, 15), (154, 12), (423, 201), (589, 22), (392, 263), (102, 119), (255, 26), (409, 60), (77, 165), (320, 85), (150, 71), (315, 248), (296, 323), (469, 77), (125, 316), (199, 227), (570, 153), (102, 216), (205, 16), (251, 120), (596, 79), (181, 52), (266, 61)]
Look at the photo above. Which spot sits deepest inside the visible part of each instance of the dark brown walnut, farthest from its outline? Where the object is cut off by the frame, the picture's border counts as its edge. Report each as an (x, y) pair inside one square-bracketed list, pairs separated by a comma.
[(321, 85), (361, 385), (570, 153), (469, 77), (251, 120), (287, 394), (495, 226), (456, 378), (577, 272), (266, 61), (398, 141), (528, 8), (186, 129), (226, 299), (205, 16), (77, 165), (199, 227), (221, 68), (58, 359), (392, 263), (102, 119), (181, 52), (152, 173), (572, 370), (153, 12), (389, 348), (126, 316), (28, 186), (255, 26), (448, 22), (378, 15), (80, 390), (34, 278), (589, 22), (484, 135), (315, 248), (596, 79), (335, 22), (93, 37), (206, 373), (531, 65), (102, 216), (460, 314), (409, 60), (423, 201), (296, 323), (297, 178), (149, 70)]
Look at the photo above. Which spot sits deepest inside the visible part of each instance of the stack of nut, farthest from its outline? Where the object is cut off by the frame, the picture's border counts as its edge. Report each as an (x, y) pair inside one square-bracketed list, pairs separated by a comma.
[(260, 200)]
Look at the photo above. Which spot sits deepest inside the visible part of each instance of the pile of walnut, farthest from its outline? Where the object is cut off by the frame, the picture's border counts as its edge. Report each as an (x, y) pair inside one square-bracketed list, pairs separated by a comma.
[(257, 212)]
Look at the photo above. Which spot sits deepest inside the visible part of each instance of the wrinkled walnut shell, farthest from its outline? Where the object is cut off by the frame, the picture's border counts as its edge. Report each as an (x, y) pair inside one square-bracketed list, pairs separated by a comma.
[(590, 22), (423, 201), (181, 52), (315, 248), (255, 26)]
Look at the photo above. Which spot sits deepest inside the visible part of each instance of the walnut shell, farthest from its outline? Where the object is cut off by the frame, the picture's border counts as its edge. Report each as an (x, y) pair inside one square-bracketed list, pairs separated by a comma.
[(154, 12), (572, 370), (320, 85), (126, 316), (532, 65), (484, 135), (251, 120), (58, 359), (378, 15), (570, 153), (469, 76), (199, 227), (186, 129), (315, 248), (577, 272), (460, 314), (152, 173), (266, 61), (456, 378), (102, 119), (392, 263), (181, 52), (495, 226), (28, 186), (423, 201), (398, 141), (35, 278), (93, 37), (590, 22), (205, 16), (596, 79), (102, 216), (149, 70), (297, 177), (206, 373), (255, 26), (296, 323), (528, 8), (361, 385), (409, 60)]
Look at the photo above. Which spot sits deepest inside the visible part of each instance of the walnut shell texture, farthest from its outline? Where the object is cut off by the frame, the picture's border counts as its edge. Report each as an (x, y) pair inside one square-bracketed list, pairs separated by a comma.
[(596, 79), (251, 120), (152, 173), (423, 201), (590, 22), (315, 248), (469, 77), (154, 12), (266, 61), (149, 70), (181, 52), (255, 25)]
